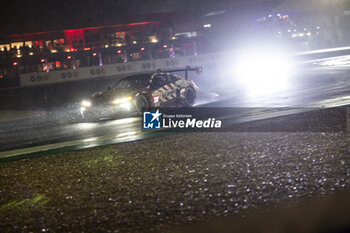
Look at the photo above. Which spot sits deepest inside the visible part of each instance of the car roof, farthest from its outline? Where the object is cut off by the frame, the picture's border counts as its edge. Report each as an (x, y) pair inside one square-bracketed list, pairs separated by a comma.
[(147, 75), (137, 76)]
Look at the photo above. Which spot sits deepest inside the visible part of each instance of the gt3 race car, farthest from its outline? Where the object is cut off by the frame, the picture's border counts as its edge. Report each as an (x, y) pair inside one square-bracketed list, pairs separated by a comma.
[(137, 93)]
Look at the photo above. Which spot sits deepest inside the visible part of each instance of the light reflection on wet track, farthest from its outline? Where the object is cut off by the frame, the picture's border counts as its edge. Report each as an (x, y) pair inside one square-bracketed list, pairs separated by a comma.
[(322, 85)]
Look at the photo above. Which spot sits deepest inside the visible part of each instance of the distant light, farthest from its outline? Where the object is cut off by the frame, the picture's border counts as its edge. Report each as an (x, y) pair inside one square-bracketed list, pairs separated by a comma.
[(15, 63), (119, 51), (308, 34), (301, 34), (295, 30), (31, 54), (54, 51), (86, 49), (173, 38), (154, 40), (318, 27), (42, 60), (207, 25), (134, 42), (289, 30), (171, 49), (2, 49), (69, 57), (106, 46), (18, 55), (142, 49), (280, 33), (270, 16), (119, 45), (94, 54), (305, 29), (294, 35), (279, 15), (67, 50), (165, 46)]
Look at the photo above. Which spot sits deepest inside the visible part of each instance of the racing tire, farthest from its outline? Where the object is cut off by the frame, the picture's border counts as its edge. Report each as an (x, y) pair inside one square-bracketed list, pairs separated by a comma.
[(142, 104), (190, 97)]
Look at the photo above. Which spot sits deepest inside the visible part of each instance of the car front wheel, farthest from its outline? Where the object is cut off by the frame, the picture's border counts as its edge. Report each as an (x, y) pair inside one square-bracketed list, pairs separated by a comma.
[(142, 104)]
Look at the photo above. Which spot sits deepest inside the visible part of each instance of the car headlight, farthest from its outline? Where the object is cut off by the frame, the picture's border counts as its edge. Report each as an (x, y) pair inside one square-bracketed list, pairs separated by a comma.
[(86, 103), (122, 100)]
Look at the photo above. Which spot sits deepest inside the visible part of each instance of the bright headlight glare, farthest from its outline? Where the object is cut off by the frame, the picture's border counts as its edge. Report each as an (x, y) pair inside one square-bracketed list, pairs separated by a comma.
[(263, 72), (86, 103), (122, 100)]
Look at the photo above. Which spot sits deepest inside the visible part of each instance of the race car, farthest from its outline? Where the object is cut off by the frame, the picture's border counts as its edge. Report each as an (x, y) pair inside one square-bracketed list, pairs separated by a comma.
[(137, 93)]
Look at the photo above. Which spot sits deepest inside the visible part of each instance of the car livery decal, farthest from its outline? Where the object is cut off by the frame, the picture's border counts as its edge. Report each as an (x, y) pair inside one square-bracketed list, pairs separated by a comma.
[(164, 94)]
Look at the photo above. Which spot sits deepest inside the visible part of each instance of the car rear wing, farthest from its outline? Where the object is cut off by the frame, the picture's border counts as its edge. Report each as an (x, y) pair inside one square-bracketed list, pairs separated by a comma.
[(198, 70)]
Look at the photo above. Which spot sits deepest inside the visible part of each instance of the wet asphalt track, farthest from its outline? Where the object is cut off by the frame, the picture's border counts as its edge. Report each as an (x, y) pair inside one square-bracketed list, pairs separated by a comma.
[(326, 84)]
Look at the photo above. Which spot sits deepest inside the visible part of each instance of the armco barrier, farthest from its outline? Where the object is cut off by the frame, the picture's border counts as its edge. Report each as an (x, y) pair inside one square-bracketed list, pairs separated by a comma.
[(43, 78)]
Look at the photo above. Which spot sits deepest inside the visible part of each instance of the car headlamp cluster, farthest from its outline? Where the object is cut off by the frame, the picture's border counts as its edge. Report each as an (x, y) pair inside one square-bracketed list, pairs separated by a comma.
[(122, 100), (86, 103)]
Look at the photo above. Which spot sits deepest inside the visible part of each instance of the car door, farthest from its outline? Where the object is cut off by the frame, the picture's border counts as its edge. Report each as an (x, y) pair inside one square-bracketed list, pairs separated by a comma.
[(158, 90)]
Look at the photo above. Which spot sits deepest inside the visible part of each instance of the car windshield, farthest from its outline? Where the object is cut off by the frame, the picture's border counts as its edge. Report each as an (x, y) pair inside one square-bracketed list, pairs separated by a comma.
[(133, 82)]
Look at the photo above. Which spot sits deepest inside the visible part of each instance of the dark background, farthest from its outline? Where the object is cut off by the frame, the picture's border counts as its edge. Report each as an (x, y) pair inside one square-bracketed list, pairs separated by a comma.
[(29, 16)]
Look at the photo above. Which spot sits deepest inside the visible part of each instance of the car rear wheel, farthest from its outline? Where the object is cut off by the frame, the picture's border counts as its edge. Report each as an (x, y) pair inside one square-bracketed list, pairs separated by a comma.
[(142, 104), (190, 96)]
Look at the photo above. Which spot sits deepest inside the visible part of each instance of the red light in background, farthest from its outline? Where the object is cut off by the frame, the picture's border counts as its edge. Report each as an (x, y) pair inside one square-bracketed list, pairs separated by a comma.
[(94, 54), (165, 46), (119, 51), (58, 64), (42, 60), (73, 35), (87, 49), (142, 49), (69, 57), (15, 63), (171, 49), (142, 23)]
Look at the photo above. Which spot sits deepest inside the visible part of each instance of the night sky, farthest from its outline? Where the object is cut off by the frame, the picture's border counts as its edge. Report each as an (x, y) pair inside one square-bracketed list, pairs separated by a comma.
[(21, 15)]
